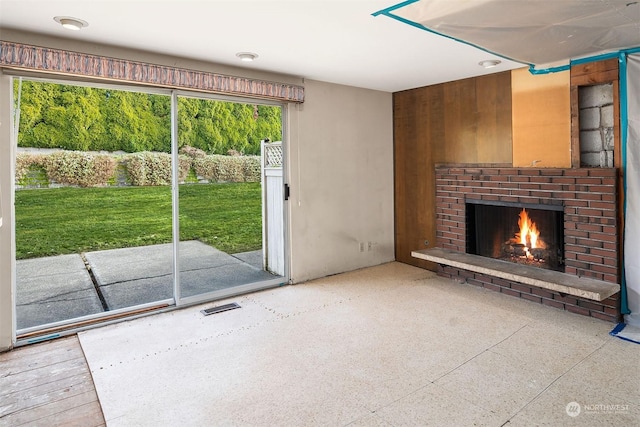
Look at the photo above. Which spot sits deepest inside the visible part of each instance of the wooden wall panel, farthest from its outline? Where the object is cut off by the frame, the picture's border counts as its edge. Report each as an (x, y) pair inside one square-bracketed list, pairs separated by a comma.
[(541, 119), (466, 121), (460, 122), (494, 133), (415, 121)]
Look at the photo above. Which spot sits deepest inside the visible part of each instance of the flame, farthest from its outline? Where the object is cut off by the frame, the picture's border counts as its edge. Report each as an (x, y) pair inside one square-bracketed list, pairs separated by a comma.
[(528, 231)]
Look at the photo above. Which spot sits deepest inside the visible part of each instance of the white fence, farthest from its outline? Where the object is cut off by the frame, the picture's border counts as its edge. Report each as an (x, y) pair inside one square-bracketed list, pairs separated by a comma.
[(272, 207)]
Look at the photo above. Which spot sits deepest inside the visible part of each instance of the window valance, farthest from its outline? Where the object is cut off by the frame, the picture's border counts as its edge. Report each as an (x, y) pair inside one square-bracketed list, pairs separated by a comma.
[(16, 55)]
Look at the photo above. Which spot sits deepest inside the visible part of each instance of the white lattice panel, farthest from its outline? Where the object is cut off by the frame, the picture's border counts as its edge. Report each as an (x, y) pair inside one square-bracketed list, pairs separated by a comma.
[(273, 155)]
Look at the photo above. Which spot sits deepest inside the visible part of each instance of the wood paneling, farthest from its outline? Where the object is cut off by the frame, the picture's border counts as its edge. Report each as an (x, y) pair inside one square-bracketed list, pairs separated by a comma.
[(594, 72), (493, 132), (466, 121), (417, 118), (541, 119)]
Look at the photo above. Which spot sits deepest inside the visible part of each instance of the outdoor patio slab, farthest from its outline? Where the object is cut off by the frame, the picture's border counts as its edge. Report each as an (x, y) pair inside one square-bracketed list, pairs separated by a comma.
[(53, 289), (253, 258), (137, 291), (126, 264), (133, 276), (198, 281)]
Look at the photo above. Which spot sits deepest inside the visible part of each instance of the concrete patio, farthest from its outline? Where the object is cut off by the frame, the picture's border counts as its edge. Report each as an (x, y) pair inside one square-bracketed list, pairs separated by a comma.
[(54, 289)]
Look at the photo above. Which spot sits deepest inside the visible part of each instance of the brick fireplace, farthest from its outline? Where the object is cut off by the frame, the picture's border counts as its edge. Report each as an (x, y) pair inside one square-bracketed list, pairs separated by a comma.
[(587, 199)]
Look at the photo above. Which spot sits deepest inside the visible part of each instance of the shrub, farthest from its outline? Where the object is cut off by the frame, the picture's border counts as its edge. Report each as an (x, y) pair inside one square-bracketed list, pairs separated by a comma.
[(208, 167), (194, 153), (151, 168), (79, 168), (231, 169), (184, 167), (148, 168), (104, 168), (220, 168), (251, 168), (26, 162)]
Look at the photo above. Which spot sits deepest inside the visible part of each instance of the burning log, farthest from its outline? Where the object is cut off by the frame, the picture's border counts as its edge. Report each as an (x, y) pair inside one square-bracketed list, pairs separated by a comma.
[(540, 254), (526, 247), (519, 249)]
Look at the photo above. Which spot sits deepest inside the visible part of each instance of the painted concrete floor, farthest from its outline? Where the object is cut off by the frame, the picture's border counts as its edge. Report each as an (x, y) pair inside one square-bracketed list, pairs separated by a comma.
[(391, 345)]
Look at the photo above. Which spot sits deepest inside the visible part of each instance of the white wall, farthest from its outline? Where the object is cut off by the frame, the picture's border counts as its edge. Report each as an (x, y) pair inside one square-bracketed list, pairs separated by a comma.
[(341, 177), (340, 167)]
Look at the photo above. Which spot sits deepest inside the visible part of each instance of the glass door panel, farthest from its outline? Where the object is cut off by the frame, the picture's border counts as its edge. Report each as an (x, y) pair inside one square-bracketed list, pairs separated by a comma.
[(220, 195), (92, 201)]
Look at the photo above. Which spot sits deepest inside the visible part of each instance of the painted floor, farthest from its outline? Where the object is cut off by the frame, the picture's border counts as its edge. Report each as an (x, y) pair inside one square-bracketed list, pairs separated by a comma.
[(391, 345)]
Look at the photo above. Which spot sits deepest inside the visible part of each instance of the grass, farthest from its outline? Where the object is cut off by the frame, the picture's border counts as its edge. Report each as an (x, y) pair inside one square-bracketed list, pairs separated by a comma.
[(73, 220)]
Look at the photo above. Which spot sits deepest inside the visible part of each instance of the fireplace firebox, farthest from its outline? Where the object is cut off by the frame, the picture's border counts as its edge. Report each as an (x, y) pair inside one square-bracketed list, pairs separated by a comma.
[(520, 233)]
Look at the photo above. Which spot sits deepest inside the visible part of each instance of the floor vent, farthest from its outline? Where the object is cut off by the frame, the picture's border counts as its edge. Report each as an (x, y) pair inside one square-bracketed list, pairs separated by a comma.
[(220, 308)]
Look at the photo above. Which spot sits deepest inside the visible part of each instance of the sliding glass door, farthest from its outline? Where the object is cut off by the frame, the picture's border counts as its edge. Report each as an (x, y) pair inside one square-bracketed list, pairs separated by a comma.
[(130, 199)]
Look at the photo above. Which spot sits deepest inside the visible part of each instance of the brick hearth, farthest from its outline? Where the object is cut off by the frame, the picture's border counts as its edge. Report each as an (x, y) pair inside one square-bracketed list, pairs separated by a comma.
[(588, 198)]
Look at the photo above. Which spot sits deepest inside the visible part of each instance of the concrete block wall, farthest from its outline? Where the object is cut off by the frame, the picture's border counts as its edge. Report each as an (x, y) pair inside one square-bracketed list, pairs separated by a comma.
[(596, 125)]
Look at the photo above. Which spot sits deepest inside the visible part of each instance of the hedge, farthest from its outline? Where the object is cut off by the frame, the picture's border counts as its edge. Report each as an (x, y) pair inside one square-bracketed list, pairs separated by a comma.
[(26, 162), (220, 168), (84, 169), (151, 168), (79, 168)]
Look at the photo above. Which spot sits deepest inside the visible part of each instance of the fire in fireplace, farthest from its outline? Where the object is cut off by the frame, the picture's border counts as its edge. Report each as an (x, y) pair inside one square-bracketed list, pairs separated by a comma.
[(524, 234)]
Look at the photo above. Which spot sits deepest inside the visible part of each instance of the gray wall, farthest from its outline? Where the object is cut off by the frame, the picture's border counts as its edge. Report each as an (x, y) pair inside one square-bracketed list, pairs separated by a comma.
[(340, 168), (341, 175)]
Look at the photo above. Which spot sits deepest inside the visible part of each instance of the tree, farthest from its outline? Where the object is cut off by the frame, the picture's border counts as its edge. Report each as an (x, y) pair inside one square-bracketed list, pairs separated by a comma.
[(85, 118), (59, 116), (219, 126), (132, 124)]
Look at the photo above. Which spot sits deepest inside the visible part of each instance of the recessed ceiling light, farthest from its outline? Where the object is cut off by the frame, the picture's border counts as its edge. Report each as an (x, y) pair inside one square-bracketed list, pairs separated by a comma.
[(489, 63), (246, 56), (70, 23)]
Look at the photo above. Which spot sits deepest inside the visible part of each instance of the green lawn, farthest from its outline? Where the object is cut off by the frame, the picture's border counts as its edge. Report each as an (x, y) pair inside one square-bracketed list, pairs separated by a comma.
[(73, 220)]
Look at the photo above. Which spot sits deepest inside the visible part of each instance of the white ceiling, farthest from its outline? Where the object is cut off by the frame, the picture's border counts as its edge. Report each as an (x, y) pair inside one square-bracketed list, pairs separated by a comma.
[(328, 40), (544, 33)]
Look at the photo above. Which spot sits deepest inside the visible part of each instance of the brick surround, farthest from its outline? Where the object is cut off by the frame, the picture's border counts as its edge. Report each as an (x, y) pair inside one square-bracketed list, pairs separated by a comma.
[(588, 197)]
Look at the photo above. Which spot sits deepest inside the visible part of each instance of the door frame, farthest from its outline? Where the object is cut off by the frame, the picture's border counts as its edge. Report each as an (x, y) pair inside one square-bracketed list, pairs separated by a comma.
[(72, 326)]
